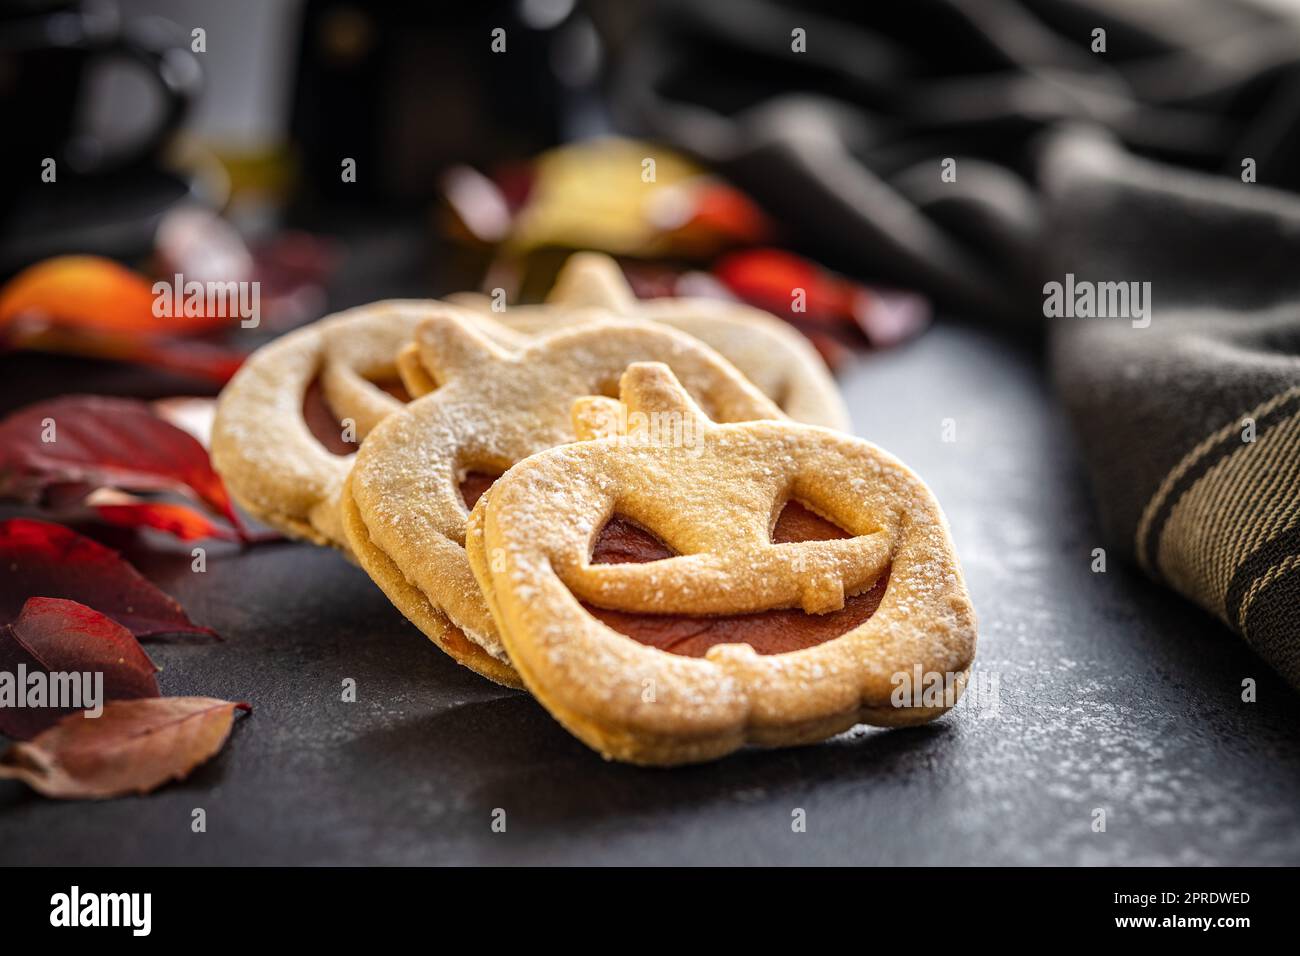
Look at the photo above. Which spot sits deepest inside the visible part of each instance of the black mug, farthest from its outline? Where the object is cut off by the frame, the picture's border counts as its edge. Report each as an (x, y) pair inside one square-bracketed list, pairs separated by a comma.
[(46, 49)]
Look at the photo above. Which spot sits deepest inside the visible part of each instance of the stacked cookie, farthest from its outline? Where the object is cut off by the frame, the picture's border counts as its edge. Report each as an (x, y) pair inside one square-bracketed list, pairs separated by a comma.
[(645, 512)]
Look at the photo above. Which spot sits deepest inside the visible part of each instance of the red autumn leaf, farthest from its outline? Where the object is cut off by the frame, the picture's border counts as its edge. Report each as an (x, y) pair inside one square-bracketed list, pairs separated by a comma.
[(97, 441), (768, 279), (134, 747), (66, 636), (214, 363), (42, 558), (726, 211), (180, 521), (51, 636)]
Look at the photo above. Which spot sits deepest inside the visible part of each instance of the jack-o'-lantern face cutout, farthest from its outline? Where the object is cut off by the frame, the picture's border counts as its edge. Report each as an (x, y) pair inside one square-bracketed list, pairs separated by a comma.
[(711, 496), (773, 631), (480, 407)]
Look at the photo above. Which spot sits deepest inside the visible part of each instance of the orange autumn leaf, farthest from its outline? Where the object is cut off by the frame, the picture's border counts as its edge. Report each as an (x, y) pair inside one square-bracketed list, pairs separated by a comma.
[(93, 295), (135, 746), (180, 521)]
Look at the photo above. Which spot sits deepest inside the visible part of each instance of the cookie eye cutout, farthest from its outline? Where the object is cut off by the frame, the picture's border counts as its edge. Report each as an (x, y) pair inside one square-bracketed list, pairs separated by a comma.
[(326, 425), (623, 541), (322, 421), (799, 522), (474, 482), (393, 386)]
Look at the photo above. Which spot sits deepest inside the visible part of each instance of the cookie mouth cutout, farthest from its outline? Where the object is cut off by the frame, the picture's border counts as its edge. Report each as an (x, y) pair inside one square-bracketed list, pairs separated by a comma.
[(774, 631), (326, 425)]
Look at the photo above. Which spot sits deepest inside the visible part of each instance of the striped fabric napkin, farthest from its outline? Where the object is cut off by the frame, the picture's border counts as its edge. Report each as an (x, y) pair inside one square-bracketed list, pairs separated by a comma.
[(1191, 424)]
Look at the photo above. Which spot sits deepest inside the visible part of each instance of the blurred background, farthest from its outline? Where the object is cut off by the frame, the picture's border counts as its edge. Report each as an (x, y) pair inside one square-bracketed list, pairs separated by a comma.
[(884, 159), (341, 152)]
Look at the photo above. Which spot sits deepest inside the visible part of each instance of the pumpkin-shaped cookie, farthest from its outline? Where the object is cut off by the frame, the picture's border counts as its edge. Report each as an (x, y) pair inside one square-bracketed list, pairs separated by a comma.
[(343, 367), (881, 594), (482, 407), (767, 351)]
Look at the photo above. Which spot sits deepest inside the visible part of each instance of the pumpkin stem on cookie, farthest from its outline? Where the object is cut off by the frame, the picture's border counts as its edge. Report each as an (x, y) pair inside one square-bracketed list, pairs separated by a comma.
[(415, 378), (649, 388), (451, 346), (592, 279)]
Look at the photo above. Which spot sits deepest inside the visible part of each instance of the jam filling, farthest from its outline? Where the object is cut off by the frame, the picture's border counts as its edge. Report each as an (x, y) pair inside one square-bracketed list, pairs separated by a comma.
[(768, 632), (394, 387), (326, 426), (474, 484)]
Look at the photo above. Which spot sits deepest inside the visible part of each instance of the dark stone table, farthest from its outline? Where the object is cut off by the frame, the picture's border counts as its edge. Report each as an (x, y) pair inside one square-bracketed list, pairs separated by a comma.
[(1098, 691)]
